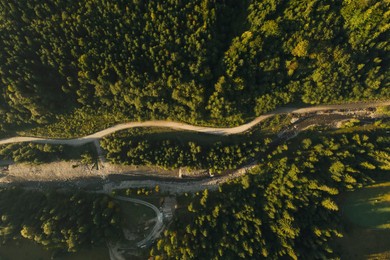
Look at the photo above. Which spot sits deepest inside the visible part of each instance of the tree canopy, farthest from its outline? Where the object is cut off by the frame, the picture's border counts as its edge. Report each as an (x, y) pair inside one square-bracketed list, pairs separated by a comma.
[(283, 208), (58, 220), (219, 61)]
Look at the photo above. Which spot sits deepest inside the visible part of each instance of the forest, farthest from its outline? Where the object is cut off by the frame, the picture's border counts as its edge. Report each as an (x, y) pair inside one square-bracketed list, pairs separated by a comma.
[(285, 208), (74, 67), (201, 61), (44, 153), (63, 221), (173, 150)]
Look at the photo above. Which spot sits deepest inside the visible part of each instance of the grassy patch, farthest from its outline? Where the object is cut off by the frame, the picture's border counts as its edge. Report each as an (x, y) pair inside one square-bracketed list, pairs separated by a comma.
[(135, 215), (370, 206), (362, 243)]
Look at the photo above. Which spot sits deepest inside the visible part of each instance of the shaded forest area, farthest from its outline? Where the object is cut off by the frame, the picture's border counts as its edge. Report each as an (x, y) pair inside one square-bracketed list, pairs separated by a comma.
[(285, 208), (173, 150), (44, 153), (59, 220), (196, 61)]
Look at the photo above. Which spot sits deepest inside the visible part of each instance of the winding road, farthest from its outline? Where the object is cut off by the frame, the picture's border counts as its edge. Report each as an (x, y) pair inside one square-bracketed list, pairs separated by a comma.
[(173, 187), (182, 126), (157, 228)]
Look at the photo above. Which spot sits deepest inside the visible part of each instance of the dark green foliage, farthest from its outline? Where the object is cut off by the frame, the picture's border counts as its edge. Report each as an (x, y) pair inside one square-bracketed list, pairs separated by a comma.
[(43, 153), (284, 208), (196, 61), (135, 147), (81, 122), (58, 220)]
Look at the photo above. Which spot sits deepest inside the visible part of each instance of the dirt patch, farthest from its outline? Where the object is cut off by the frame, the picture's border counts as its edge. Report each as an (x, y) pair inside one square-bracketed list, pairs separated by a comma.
[(108, 177), (74, 170)]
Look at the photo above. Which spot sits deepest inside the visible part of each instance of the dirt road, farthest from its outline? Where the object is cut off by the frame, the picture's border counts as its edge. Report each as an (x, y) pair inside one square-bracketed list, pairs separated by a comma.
[(183, 126), (157, 228)]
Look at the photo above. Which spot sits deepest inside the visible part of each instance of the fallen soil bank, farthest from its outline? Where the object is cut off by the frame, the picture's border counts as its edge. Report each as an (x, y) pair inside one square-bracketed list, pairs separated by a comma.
[(61, 174), (75, 170)]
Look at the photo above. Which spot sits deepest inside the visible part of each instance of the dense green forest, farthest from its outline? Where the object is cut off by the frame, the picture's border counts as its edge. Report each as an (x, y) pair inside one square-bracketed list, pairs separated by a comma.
[(172, 150), (42, 153), (58, 220), (197, 61), (285, 207)]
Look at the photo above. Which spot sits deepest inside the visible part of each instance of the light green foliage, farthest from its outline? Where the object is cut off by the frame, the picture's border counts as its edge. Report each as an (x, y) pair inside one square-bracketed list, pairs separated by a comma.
[(138, 147), (351, 123), (283, 208), (385, 110), (74, 68)]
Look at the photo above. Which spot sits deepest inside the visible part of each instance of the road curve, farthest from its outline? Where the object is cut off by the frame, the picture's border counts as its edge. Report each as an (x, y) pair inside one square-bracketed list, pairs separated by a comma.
[(159, 222), (183, 126)]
